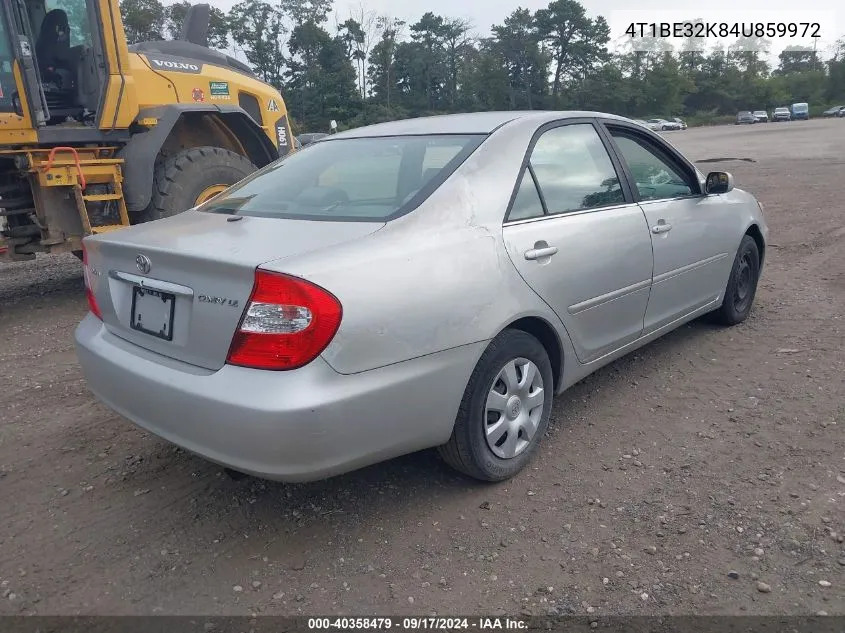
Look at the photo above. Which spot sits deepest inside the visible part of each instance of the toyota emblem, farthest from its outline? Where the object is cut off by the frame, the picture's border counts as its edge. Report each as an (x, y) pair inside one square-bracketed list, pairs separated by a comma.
[(143, 263)]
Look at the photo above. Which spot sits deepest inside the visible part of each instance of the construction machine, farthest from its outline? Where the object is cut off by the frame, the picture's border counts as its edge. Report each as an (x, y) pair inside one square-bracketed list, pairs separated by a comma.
[(96, 134)]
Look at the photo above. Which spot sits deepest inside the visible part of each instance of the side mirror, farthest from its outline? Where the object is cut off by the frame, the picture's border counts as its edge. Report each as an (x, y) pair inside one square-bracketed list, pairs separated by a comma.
[(719, 182)]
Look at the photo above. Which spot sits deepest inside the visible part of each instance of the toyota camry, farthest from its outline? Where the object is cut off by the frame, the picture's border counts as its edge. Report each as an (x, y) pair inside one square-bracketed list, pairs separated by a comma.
[(423, 283)]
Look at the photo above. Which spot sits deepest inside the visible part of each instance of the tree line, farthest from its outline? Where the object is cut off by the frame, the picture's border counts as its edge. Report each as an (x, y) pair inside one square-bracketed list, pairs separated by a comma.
[(371, 68)]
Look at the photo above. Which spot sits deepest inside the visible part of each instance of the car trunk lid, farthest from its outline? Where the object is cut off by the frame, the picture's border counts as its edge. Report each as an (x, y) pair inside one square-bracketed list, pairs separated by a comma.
[(179, 286)]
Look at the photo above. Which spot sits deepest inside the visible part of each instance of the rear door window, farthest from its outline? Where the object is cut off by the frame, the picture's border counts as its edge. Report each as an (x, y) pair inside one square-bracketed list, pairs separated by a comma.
[(574, 170)]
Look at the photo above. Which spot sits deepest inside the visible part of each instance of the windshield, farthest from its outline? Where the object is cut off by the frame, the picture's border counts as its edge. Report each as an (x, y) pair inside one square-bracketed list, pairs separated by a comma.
[(799, 106), (358, 179)]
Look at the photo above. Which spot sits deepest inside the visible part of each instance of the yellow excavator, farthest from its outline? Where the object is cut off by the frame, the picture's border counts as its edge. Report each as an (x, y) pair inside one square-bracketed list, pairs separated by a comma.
[(96, 135)]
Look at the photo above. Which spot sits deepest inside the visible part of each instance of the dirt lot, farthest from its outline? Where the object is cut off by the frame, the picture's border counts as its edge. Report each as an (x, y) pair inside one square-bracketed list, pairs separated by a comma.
[(708, 452)]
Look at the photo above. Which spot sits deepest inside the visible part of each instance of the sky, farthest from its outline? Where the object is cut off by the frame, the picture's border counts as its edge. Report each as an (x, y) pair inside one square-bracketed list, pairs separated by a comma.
[(482, 14)]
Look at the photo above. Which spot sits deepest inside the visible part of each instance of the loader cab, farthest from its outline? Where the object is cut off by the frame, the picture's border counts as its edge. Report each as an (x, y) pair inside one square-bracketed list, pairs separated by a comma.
[(58, 46)]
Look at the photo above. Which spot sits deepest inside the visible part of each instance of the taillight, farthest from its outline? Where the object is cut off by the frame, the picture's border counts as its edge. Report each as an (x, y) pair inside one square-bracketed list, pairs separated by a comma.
[(287, 323), (89, 293)]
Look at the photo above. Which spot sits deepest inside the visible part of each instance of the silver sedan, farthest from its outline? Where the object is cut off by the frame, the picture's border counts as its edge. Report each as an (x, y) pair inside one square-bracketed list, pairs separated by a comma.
[(421, 283)]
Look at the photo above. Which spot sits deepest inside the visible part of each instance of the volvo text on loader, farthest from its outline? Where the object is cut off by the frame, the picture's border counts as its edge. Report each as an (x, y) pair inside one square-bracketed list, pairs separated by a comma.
[(96, 135)]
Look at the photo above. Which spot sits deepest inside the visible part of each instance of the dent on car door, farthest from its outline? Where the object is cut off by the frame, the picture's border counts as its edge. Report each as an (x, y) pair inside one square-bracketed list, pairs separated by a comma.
[(578, 243), (690, 231)]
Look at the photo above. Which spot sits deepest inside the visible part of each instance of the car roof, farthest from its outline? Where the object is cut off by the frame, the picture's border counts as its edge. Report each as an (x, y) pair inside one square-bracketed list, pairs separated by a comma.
[(466, 123)]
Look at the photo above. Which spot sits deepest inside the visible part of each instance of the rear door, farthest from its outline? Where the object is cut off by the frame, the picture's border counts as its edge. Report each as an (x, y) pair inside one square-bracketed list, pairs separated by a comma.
[(691, 233), (578, 240)]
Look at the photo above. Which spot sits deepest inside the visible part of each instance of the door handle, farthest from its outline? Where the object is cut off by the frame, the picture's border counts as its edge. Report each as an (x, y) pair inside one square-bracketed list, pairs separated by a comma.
[(661, 227), (539, 253)]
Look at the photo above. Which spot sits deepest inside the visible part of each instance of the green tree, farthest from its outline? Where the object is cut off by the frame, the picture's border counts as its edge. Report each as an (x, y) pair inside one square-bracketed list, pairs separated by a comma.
[(835, 90), (457, 44), (382, 60), (259, 30), (798, 59), (428, 35), (304, 11), (666, 87), (518, 43), (143, 20), (320, 77), (486, 83), (576, 42), (353, 38)]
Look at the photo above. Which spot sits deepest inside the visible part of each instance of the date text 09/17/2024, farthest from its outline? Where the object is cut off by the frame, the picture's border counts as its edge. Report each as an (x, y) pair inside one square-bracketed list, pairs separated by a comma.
[(417, 624), (723, 29)]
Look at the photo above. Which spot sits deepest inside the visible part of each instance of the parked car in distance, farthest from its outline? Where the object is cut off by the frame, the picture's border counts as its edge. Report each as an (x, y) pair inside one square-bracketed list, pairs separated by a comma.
[(781, 114), (311, 137), (663, 124), (761, 116), (641, 122), (271, 329), (800, 111), (837, 111), (680, 122), (745, 117)]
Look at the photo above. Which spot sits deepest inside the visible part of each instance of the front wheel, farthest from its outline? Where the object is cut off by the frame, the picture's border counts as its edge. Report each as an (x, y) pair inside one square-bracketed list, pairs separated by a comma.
[(505, 409), (742, 285), (191, 177)]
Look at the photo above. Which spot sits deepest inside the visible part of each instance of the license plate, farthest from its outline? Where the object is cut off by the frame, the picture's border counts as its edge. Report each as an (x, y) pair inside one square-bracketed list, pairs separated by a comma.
[(152, 312)]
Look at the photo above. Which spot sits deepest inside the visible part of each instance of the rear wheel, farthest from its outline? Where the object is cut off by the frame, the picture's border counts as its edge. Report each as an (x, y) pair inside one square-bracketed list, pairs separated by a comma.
[(505, 409), (742, 285), (191, 177)]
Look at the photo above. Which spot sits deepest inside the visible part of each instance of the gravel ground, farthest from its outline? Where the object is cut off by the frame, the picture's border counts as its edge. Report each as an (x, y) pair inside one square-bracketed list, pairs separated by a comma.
[(703, 474)]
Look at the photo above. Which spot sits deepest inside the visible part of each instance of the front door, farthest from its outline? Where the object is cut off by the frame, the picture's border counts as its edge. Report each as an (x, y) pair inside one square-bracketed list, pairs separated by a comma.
[(579, 242), (22, 105), (692, 260)]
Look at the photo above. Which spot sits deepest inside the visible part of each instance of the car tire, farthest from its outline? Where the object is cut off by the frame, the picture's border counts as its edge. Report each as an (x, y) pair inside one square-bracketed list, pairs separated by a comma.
[(742, 285), (503, 367)]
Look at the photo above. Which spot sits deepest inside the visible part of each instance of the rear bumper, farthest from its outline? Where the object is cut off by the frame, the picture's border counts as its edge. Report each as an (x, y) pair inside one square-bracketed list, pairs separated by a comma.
[(301, 425)]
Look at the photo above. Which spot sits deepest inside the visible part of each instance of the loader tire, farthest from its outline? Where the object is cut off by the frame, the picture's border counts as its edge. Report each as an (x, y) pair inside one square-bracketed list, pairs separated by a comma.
[(192, 176)]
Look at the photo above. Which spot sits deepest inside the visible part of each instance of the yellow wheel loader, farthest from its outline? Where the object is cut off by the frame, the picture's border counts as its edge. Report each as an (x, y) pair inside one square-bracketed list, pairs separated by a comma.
[(96, 135)]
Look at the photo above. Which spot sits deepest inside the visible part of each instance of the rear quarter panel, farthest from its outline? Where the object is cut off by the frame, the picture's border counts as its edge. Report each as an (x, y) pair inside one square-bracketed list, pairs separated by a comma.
[(434, 279), (408, 296)]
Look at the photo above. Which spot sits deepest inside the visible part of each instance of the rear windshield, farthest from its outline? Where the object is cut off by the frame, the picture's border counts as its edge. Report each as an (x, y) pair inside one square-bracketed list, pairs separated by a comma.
[(357, 179)]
